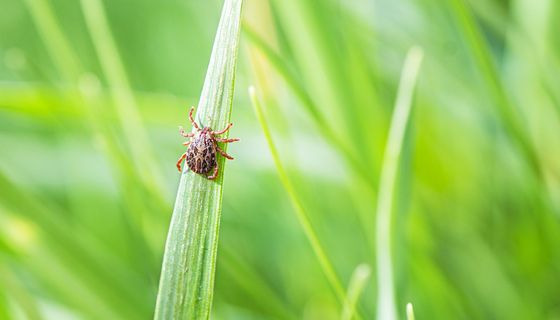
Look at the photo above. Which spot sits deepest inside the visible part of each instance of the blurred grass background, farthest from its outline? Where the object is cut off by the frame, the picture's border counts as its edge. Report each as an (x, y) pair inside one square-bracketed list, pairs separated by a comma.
[(88, 116)]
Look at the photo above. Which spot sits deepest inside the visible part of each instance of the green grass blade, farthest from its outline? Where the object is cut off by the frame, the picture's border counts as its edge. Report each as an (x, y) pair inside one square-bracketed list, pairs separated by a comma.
[(56, 43), (122, 95), (86, 102), (284, 70), (300, 92), (359, 279), (500, 98), (409, 311), (19, 294), (84, 252), (302, 216), (187, 276), (5, 311), (249, 280), (386, 299)]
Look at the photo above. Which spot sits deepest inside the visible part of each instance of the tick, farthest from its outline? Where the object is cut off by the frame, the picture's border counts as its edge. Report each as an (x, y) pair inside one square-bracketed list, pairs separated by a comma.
[(202, 148)]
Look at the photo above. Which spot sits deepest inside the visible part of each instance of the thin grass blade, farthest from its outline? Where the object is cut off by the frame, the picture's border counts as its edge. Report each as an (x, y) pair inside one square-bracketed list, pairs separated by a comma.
[(386, 309), (19, 294), (122, 95), (310, 106), (301, 213), (409, 311), (509, 115), (85, 100), (359, 279), (187, 276)]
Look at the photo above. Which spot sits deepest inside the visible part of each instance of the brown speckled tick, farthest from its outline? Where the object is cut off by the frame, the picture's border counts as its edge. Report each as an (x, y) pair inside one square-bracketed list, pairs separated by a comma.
[(202, 147)]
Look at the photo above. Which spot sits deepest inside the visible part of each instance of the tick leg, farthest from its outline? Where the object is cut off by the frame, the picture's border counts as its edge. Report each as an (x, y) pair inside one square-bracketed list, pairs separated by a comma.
[(184, 134), (224, 130), (192, 120), (214, 174), (226, 140), (186, 143), (223, 153), (183, 156)]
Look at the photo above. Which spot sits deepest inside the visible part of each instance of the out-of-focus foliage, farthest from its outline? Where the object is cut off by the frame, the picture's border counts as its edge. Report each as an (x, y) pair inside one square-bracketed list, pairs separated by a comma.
[(84, 206)]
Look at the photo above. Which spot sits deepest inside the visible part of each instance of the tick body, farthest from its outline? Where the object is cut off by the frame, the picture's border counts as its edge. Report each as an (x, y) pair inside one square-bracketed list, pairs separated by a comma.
[(201, 155)]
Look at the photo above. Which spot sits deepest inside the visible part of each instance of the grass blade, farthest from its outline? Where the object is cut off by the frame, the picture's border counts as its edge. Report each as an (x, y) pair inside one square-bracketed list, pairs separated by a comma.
[(484, 62), (19, 294), (86, 101), (248, 278), (187, 276), (386, 300), (55, 41), (302, 216), (300, 92), (358, 282), (121, 92), (409, 311)]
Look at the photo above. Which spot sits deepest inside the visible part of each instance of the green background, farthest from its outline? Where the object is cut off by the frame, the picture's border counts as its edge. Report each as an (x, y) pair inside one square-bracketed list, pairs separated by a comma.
[(475, 230)]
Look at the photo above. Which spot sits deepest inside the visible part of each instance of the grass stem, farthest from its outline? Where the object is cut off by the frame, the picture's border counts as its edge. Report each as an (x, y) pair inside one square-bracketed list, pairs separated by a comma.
[(301, 214), (386, 301), (189, 263), (359, 279)]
